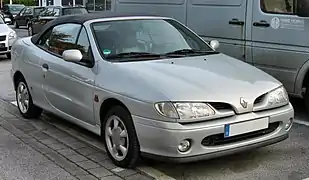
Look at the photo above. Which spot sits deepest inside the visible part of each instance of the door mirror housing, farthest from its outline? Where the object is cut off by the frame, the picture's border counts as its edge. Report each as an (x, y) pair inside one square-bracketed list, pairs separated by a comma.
[(302, 8), (7, 20), (214, 44), (72, 55)]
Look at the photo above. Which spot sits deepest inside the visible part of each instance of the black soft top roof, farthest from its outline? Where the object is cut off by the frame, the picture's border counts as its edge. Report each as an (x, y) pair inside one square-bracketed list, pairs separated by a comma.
[(81, 19)]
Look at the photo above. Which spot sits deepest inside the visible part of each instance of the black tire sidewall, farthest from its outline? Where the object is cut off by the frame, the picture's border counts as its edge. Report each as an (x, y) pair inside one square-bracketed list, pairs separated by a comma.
[(33, 111), (16, 25), (134, 149)]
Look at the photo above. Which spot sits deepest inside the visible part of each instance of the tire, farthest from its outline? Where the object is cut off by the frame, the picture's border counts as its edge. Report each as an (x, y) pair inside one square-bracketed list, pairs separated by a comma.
[(16, 25), (131, 157), (29, 30), (30, 111), (8, 55)]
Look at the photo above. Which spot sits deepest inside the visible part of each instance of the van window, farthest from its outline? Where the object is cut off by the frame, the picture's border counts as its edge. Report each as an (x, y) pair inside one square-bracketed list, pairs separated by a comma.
[(277, 6)]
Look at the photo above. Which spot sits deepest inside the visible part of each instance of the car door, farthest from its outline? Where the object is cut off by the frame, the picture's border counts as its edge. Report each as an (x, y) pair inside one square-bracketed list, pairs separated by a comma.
[(28, 15), (223, 20), (25, 15), (68, 86), (20, 17), (279, 39)]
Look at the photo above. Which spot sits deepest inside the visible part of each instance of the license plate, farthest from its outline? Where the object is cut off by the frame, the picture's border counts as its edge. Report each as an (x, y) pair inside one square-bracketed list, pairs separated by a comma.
[(245, 127), (2, 45)]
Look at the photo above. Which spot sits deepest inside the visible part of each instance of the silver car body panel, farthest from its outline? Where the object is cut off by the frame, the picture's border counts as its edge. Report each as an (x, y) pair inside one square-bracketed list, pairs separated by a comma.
[(68, 90)]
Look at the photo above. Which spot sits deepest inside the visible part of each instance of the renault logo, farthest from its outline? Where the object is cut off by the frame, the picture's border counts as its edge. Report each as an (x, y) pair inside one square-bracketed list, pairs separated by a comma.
[(243, 102)]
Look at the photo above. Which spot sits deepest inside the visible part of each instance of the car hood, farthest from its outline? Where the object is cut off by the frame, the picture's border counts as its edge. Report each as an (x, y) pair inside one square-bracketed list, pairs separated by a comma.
[(216, 78), (4, 29)]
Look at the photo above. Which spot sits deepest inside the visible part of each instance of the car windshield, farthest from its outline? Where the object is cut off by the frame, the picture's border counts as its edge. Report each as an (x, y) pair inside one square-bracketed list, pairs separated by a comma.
[(147, 38), (37, 10), (68, 11), (16, 9)]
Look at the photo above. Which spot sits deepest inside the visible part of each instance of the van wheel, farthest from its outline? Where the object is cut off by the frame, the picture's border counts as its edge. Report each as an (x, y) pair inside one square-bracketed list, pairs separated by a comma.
[(16, 25), (29, 30), (8, 55), (120, 138), (24, 101)]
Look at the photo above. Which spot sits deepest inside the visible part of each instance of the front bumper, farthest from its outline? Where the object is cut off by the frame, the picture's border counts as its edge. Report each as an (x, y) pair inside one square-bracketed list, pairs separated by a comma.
[(7, 44), (160, 140)]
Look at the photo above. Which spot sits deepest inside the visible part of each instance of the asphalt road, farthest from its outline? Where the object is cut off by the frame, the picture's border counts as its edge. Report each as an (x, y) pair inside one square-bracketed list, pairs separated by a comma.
[(287, 160)]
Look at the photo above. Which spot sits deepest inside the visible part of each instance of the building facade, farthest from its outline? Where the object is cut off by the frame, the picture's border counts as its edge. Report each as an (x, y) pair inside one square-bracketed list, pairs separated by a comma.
[(91, 5)]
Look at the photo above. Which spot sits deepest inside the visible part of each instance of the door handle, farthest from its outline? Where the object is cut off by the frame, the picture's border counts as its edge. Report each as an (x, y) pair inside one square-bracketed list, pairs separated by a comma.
[(261, 24), (45, 66), (236, 22)]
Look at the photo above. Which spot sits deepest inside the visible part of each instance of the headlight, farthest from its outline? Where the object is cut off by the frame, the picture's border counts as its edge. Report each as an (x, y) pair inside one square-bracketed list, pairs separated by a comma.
[(12, 35), (277, 97), (187, 111)]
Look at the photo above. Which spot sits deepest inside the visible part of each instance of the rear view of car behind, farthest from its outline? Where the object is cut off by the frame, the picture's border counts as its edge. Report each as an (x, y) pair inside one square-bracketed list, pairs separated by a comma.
[(50, 13), (156, 89)]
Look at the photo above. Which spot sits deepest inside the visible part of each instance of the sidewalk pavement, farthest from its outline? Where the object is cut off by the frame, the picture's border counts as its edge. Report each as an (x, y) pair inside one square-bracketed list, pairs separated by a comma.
[(32, 149)]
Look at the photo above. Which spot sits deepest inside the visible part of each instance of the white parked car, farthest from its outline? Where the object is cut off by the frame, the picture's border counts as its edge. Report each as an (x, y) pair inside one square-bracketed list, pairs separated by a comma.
[(7, 37), (149, 86)]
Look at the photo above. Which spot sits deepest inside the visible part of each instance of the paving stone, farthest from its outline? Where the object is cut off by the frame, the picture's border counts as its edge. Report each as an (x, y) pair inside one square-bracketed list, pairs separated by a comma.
[(97, 157), (63, 162), (11, 128), (88, 164), (76, 158), (138, 177), (111, 178), (86, 177), (68, 140), (67, 152), (39, 135), (38, 146), (49, 141), (79, 172), (53, 131), (100, 172), (57, 146), (76, 145), (59, 135), (124, 172), (108, 164), (6, 115), (87, 151), (27, 128)]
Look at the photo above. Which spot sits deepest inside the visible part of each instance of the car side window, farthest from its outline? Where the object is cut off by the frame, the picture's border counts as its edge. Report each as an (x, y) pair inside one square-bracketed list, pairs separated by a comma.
[(22, 11), (27, 11), (56, 12), (277, 6), (63, 37), (44, 40), (83, 45)]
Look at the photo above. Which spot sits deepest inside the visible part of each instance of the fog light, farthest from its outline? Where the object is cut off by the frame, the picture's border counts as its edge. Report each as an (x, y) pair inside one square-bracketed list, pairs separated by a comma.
[(289, 124), (184, 145)]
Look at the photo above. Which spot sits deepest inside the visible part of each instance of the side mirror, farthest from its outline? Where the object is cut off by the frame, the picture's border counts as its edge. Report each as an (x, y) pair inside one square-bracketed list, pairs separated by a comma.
[(72, 55), (302, 8), (214, 44), (7, 20)]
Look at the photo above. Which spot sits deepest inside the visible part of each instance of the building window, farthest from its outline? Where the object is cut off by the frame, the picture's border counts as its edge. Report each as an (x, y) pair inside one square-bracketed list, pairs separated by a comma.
[(277, 6), (98, 5)]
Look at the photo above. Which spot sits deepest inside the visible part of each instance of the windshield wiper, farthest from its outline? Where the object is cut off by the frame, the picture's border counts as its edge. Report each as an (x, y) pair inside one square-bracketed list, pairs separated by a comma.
[(190, 52), (133, 55)]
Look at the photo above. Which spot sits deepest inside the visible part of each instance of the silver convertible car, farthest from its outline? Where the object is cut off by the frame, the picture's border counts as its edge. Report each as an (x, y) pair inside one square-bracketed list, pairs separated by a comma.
[(149, 86)]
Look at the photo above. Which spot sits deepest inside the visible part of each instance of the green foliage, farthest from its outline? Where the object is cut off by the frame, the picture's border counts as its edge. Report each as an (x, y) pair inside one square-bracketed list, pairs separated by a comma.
[(25, 2)]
